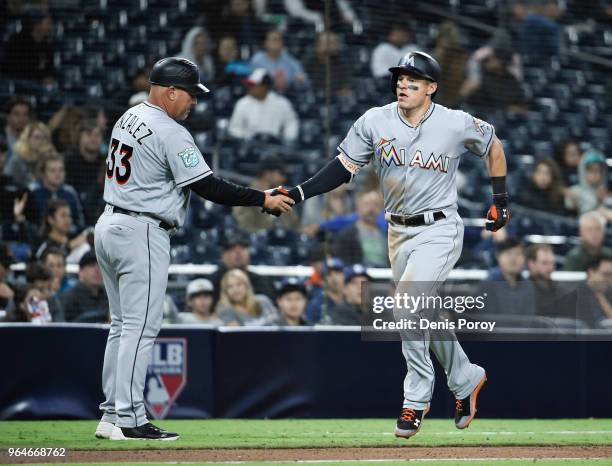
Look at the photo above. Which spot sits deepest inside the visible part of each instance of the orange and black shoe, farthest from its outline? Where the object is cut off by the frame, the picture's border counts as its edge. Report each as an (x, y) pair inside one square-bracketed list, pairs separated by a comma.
[(465, 409), (409, 422)]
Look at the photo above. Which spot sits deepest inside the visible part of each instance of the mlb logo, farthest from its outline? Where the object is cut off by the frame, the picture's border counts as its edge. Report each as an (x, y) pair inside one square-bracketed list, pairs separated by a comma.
[(166, 375)]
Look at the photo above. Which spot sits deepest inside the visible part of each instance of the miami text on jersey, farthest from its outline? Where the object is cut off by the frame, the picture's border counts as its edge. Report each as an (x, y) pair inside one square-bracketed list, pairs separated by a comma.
[(439, 163)]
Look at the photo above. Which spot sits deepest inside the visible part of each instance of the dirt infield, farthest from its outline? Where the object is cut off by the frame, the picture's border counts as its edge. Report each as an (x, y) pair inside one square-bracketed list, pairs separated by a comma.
[(321, 454)]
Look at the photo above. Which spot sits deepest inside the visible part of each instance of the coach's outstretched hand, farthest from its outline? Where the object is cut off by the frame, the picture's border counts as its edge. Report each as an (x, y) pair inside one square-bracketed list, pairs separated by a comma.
[(498, 215), (277, 201)]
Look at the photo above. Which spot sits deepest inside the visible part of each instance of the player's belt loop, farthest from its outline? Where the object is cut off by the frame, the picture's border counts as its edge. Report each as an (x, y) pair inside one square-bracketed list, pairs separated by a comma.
[(428, 217)]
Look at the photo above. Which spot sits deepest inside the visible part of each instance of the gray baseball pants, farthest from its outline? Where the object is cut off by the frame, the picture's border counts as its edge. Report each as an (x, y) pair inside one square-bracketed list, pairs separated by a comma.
[(134, 256), (423, 257)]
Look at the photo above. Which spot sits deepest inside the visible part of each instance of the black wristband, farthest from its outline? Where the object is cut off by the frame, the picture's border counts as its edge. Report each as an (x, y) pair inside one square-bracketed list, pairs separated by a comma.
[(332, 175), (227, 193), (498, 183)]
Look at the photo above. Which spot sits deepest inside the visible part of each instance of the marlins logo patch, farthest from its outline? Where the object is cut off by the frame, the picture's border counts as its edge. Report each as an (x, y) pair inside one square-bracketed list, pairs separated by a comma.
[(189, 157), (387, 153), (166, 375)]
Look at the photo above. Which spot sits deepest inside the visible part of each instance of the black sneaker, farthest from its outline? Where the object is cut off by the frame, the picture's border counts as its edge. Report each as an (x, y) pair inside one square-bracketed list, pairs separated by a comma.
[(465, 409), (145, 432), (410, 421)]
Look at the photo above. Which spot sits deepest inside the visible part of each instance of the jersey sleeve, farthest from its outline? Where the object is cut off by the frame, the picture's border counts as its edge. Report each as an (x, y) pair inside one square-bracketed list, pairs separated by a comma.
[(184, 158), (478, 135), (357, 145)]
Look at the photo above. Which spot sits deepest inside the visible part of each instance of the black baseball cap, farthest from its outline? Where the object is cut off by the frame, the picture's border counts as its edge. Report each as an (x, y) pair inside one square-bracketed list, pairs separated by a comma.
[(178, 72), (292, 284), (240, 238), (89, 258)]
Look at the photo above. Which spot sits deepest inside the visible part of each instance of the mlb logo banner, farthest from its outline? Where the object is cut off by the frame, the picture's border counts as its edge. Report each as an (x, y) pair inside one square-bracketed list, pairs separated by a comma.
[(166, 375)]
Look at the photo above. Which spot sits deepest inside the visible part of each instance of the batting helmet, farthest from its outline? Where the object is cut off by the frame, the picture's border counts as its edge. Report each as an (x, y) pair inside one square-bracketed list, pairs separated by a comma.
[(178, 72), (417, 63)]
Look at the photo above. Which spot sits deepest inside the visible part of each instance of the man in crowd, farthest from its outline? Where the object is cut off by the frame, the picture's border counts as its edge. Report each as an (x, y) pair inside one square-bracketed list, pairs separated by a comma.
[(364, 242), (236, 255), (541, 265), (595, 296), (291, 301), (263, 111), (331, 294), (270, 174), (18, 111), (199, 299), (507, 291), (350, 311), (85, 160), (87, 301), (592, 235), (389, 53), (52, 186)]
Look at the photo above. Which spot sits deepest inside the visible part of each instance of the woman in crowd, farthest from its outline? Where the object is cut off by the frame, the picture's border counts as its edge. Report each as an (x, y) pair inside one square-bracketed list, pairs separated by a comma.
[(56, 230), (196, 47), (30, 306), (239, 305), (544, 190), (568, 155), (33, 146), (53, 258)]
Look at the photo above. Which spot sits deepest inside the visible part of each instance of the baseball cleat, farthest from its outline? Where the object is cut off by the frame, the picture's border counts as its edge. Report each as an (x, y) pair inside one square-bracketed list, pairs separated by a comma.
[(104, 429), (465, 409), (410, 421), (145, 432)]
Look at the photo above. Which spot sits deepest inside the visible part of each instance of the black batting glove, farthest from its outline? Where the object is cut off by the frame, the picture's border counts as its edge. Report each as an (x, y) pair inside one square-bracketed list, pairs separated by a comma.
[(498, 215)]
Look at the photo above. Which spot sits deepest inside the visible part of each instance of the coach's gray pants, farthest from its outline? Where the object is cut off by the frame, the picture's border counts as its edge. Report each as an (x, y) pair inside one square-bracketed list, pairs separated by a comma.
[(134, 256), (421, 258)]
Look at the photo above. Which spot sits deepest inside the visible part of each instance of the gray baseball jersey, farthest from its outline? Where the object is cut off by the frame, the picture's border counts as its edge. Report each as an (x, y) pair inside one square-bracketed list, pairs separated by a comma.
[(417, 166), (151, 161)]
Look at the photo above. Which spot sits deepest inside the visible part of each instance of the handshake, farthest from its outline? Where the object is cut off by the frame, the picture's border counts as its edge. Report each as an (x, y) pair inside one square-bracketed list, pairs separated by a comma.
[(277, 201)]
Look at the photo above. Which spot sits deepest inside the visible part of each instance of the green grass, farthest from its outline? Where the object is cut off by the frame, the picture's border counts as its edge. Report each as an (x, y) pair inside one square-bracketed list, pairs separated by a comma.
[(561, 462), (234, 433)]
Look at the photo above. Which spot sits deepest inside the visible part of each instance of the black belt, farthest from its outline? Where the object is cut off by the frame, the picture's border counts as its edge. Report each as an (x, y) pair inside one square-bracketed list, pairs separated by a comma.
[(415, 220), (162, 224)]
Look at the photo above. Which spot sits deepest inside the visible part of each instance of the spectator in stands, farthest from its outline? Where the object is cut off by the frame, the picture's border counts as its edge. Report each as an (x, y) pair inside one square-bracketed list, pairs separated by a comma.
[(327, 52), (453, 59), (87, 301), (18, 111), (501, 40), (291, 301), (84, 161), (30, 306), (52, 186), (334, 204), (568, 155), (41, 278), (229, 68), (349, 312), (7, 293), (592, 235), (539, 33), (237, 20), (196, 47), (585, 11), (55, 261), (270, 174), (199, 298), (594, 302), (64, 126), (56, 229), (507, 291), (342, 16), (331, 294), (544, 190), (263, 112), (32, 147), (236, 255), (498, 88), (238, 305), (286, 71), (592, 190), (388, 54), (364, 242), (140, 87), (28, 54), (541, 265)]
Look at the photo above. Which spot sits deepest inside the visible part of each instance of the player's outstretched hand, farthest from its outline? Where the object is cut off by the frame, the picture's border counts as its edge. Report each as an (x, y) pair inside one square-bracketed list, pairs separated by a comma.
[(277, 201), (498, 215)]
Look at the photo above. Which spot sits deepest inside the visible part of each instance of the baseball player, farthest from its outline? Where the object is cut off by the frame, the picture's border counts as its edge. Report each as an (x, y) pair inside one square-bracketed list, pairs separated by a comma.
[(415, 146), (152, 166)]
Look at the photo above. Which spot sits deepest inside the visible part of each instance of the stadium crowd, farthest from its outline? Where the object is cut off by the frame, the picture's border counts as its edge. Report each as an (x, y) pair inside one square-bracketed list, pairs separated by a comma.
[(271, 66)]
